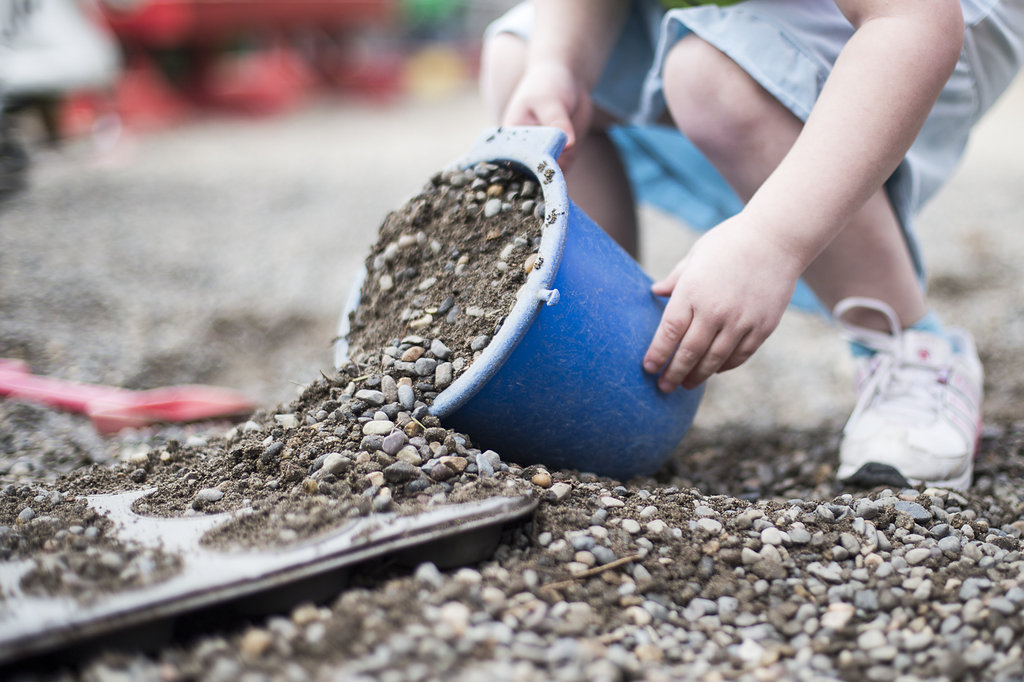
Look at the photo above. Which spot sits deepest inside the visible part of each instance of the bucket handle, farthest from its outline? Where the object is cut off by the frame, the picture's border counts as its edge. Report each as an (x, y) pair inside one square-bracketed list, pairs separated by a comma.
[(549, 296)]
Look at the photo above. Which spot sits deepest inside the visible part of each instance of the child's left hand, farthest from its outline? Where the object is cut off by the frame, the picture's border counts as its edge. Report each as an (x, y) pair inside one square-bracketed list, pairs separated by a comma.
[(727, 295)]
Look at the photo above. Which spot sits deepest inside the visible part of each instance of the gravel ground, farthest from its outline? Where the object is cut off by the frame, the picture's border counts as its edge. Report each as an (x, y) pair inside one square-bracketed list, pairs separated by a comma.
[(221, 252)]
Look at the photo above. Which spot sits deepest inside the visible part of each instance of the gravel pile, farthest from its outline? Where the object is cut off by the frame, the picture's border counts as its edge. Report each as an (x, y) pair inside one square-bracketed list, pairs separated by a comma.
[(651, 580), (740, 560)]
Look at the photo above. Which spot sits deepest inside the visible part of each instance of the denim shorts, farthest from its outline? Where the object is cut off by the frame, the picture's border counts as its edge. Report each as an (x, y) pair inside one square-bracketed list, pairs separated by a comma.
[(789, 47)]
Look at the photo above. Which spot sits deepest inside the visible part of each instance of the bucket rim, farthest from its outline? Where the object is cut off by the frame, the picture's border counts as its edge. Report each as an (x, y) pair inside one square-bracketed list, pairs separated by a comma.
[(533, 150)]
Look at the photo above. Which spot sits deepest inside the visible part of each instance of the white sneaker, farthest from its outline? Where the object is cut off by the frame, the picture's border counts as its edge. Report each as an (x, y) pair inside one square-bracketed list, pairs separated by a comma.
[(918, 417)]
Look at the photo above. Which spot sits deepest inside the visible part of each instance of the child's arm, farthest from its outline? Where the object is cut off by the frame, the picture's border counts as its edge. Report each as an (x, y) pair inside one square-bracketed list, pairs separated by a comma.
[(570, 44), (730, 291)]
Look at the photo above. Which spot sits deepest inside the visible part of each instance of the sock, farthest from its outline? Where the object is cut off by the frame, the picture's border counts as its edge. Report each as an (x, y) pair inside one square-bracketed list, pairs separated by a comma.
[(929, 323)]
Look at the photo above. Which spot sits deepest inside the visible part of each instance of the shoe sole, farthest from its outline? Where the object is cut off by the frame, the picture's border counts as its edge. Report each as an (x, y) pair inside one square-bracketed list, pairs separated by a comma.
[(876, 474)]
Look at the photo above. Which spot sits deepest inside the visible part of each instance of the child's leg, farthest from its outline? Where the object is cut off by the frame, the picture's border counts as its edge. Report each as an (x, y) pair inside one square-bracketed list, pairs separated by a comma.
[(745, 132), (596, 178)]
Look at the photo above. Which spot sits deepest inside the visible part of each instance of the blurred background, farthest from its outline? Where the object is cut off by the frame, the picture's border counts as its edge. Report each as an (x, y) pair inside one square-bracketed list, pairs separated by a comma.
[(188, 186)]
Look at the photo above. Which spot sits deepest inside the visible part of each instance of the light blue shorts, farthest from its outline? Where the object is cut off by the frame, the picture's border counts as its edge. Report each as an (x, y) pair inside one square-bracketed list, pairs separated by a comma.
[(788, 47)]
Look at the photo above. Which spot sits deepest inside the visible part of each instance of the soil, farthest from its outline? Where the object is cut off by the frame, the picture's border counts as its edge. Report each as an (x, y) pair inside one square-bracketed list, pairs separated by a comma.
[(444, 268)]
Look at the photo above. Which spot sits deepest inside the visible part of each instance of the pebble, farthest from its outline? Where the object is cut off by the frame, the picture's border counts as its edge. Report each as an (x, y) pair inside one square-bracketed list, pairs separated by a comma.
[(370, 396), (255, 642), (492, 208), (710, 526), (771, 536), (558, 492), (406, 396), (209, 495), (378, 427), (335, 464), (541, 479), (439, 350), (656, 527), (916, 511)]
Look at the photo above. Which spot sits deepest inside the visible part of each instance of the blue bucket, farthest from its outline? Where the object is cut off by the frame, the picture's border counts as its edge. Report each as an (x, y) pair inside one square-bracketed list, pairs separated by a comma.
[(561, 383)]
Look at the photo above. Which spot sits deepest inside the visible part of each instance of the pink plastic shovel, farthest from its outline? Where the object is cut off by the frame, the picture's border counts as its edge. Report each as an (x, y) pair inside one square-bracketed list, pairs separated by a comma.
[(112, 409)]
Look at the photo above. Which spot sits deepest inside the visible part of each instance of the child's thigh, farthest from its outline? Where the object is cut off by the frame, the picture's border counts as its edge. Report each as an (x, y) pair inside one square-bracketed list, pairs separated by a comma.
[(619, 91)]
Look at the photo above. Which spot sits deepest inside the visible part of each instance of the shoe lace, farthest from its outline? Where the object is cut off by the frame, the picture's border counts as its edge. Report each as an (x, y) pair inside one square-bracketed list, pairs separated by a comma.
[(898, 384)]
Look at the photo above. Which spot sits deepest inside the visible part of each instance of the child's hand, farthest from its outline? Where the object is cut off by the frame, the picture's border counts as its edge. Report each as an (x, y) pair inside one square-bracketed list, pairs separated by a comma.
[(727, 295), (550, 95)]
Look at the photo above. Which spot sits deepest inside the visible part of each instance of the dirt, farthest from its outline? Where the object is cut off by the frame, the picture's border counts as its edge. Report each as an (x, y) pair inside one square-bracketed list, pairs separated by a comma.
[(444, 269), (307, 467)]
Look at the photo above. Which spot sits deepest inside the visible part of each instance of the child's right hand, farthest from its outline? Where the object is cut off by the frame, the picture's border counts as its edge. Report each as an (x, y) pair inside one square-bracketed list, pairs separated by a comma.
[(549, 94)]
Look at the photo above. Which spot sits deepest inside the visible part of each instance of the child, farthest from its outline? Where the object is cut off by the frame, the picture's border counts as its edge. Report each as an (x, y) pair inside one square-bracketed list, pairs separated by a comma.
[(833, 122)]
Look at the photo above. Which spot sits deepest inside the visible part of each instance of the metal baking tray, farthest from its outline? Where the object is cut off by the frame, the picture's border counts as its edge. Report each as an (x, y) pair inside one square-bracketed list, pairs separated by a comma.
[(247, 580)]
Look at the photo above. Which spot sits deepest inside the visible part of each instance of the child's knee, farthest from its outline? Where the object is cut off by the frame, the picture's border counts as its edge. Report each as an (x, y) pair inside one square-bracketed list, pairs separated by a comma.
[(502, 61), (712, 100)]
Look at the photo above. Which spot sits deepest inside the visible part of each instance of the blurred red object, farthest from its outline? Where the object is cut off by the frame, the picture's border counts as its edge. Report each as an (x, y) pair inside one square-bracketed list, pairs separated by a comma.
[(171, 22), (271, 77)]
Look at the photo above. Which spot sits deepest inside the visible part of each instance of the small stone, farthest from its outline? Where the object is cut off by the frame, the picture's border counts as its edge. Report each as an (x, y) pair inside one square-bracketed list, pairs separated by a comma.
[(492, 208), (411, 354), (378, 427), (950, 545), (272, 452), (609, 502), (209, 495), (255, 642), (710, 526), (483, 466), (917, 555), (456, 463), (542, 479), (479, 343), (866, 600), (656, 527), (558, 492), (837, 615), (604, 555), (394, 442), (871, 639), (287, 421), (630, 526), (425, 321), (438, 349), (389, 388), (425, 367), (410, 455), (530, 263), (26, 514), (335, 464), (406, 396), (443, 375), (370, 397), (799, 536), (916, 511), (456, 616), (771, 536)]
